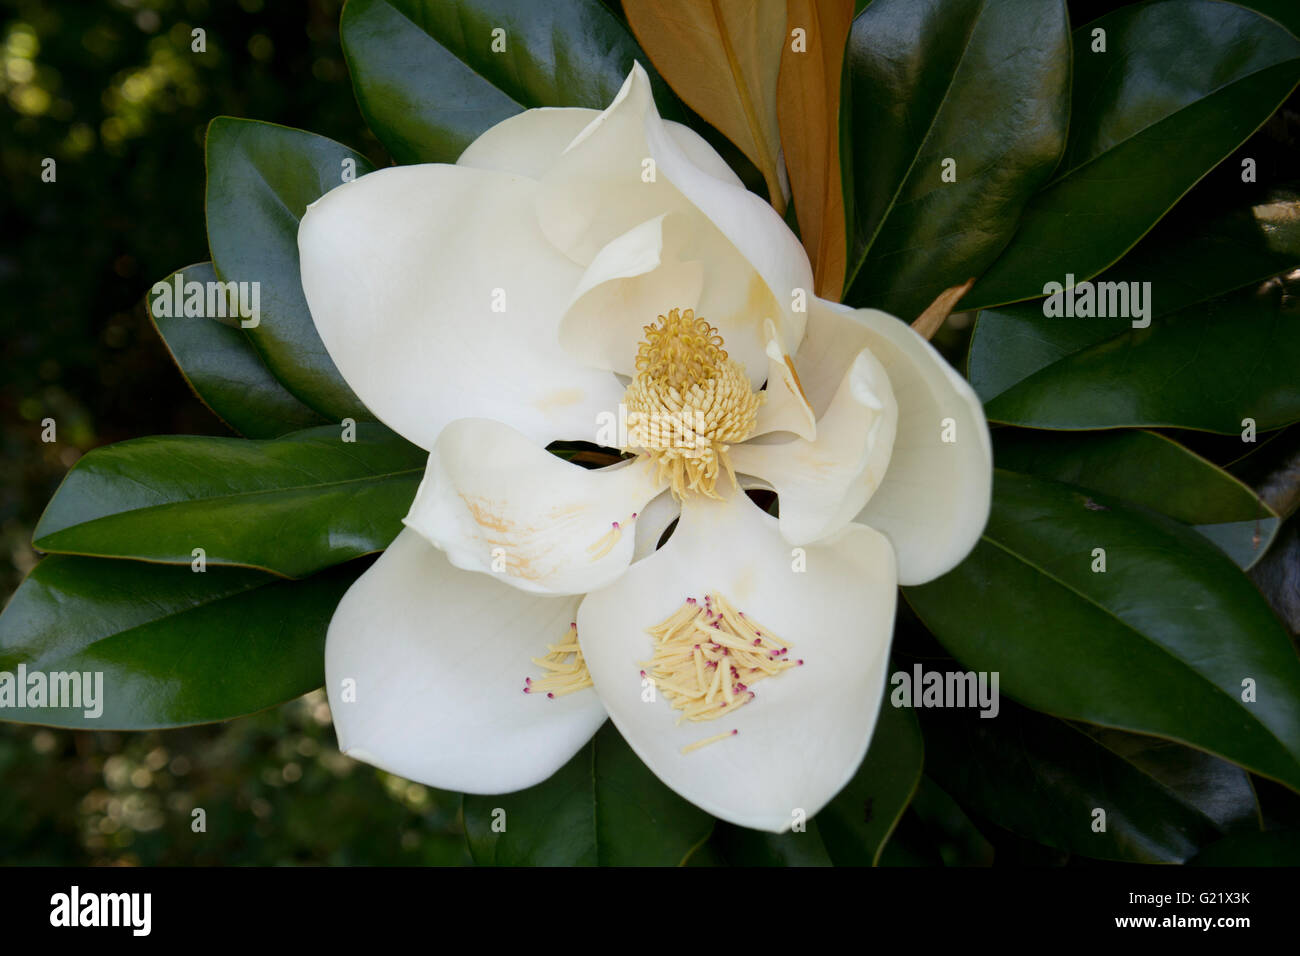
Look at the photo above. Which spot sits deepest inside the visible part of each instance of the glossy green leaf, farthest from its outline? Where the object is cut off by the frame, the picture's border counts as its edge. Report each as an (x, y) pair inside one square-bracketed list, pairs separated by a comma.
[(1203, 250), (1275, 848), (291, 505), (1208, 367), (1045, 780), (1285, 12), (174, 647), (221, 365), (1221, 791), (1166, 640), (429, 81), (261, 178), (929, 81), (604, 807), (958, 841), (1150, 470), (1180, 85), (858, 822)]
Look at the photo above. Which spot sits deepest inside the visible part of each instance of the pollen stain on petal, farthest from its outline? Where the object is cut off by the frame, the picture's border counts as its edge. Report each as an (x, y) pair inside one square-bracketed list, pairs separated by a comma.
[(485, 516), (506, 537), (559, 398), (789, 363), (758, 304), (744, 583), (523, 550)]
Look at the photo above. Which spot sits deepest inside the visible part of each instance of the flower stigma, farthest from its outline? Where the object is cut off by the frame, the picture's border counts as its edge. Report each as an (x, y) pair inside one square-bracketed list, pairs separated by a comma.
[(566, 671), (708, 657), (688, 403)]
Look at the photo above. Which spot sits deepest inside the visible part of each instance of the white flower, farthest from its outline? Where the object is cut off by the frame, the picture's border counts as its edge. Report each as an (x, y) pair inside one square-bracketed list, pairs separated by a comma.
[(486, 309)]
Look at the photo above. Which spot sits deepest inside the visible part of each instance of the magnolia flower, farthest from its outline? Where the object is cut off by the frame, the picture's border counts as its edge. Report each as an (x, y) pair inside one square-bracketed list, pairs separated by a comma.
[(605, 277)]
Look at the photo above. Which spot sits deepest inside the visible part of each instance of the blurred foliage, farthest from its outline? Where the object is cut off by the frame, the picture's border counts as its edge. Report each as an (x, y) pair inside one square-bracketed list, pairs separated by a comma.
[(273, 789), (114, 94)]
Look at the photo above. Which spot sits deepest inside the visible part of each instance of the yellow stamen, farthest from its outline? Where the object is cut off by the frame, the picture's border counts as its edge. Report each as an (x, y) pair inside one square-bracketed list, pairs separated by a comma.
[(708, 740), (688, 403), (565, 667), (605, 544), (708, 656)]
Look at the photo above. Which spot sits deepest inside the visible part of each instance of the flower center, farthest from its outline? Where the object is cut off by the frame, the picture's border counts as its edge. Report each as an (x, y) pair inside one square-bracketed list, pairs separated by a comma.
[(565, 670), (688, 403), (708, 657)]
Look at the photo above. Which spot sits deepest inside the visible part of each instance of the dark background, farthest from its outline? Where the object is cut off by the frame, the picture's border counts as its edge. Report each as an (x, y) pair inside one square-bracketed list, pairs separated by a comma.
[(112, 92)]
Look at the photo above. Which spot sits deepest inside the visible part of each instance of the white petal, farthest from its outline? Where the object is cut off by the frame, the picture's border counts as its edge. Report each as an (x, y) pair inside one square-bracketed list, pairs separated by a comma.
[(497, 503), (528, 143), (785, 408), (805, 733), (629, 283), (602, 187), (402, 270), (437, 658), (934, 500), (653, 520), (664, 263), (823, 483)]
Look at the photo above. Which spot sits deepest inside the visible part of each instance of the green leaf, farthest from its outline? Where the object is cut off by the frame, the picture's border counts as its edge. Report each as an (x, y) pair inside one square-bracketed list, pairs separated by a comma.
[(1044, 779), (174, 647), (738, 846), (1180, 85), (1284, 12), (222, 367), (261, 178), (1221, 791), (1203, 250), (429, 82), (927, 81), (956, 838), (1150, 470), (604, 807), (1208, 367), (291, 505), (858, 822), (1162, 642), (1275, 848)]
